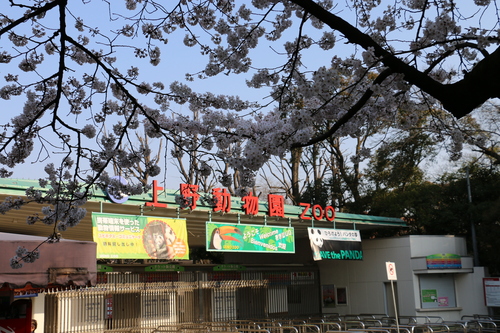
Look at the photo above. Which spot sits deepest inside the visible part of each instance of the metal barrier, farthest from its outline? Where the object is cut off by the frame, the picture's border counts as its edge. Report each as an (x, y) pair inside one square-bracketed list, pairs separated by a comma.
[(427, 328), (408, 320), (328, 326), (283, 329), (193, 303), (408, 324), (308, 328), (349, 324), (456, 326), (482, 326), (218, 326)]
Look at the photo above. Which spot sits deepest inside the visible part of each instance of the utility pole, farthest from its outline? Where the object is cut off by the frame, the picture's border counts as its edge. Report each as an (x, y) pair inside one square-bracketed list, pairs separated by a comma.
[(472, 225)]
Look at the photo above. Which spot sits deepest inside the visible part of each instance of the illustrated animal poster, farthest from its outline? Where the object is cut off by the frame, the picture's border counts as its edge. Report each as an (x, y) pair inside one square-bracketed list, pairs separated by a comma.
[(249, 238), (328, 295), (335, 244), (139, 237)]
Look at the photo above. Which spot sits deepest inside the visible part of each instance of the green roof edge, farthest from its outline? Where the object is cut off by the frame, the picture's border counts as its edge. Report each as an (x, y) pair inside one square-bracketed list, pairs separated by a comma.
[(18, 187)]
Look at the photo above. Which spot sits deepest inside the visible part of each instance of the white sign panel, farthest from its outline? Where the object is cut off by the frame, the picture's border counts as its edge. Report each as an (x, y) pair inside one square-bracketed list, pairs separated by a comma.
[(391, 270), (336, 244), (492, 291)]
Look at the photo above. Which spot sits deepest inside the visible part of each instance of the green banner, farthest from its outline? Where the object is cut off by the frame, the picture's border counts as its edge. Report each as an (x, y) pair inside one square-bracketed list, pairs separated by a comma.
[(229, 267), (139, 237), (104, 268), (164, 268), (249, 238)]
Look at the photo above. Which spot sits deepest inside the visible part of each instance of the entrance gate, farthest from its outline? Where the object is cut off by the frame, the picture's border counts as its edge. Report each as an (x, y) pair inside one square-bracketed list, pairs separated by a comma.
[(144, 301)]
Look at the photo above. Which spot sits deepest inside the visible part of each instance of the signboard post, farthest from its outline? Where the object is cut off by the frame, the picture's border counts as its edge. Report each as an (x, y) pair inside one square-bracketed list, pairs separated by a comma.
[(392, 276)]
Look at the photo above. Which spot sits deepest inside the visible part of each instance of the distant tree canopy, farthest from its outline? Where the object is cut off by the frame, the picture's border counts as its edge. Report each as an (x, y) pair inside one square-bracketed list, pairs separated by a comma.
[(444, 208)]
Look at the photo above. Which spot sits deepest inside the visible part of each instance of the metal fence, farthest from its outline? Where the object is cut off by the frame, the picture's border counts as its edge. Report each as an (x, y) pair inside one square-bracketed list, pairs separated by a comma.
[(141, 302)]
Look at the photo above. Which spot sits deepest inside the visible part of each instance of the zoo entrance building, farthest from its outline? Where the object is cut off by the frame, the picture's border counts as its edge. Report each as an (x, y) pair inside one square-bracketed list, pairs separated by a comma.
[(128, 266)]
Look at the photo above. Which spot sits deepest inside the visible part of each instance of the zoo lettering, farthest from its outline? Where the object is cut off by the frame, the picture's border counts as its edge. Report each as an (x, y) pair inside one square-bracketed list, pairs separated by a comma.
[(276, 205), (318, 212)]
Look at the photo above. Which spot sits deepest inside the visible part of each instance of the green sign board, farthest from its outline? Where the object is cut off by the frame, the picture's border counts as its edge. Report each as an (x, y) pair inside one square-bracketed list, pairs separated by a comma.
[(249, 238), (229, 267), (104, 268), (164, 268)]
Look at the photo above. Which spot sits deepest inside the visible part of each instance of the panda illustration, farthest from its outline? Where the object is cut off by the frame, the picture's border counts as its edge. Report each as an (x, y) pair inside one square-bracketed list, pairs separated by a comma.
[(316, 242)]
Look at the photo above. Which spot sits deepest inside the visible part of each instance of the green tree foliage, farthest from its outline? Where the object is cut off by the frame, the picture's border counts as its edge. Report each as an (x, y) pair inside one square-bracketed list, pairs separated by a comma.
[(396, 186), (443, 208), (396, 164), (483, 210)]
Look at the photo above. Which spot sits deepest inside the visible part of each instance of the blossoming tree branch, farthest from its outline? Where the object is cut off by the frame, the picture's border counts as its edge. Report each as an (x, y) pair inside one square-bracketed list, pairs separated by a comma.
[(79, 77)]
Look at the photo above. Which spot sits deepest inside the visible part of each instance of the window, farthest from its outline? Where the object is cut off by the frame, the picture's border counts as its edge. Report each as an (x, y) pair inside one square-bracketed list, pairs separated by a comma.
[(437, 291)]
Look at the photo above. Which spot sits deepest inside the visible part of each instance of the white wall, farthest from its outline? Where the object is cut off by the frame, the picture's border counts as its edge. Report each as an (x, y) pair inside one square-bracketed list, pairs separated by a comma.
[(424, 245), (366, 281), (38, 311), (471, 295)]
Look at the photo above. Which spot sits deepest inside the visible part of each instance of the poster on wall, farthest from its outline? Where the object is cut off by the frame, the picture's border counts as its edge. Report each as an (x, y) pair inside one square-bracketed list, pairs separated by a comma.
[(491, 291), (328, 295), (335, 244), (443, 301), (437, 291), (342, 296), (139, 237), (429, 296), (249, 238)]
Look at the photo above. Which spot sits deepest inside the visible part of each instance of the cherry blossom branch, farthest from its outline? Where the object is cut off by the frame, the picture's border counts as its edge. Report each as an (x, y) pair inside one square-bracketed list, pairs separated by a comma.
[(26, 17), (349, 114), (460, 98)]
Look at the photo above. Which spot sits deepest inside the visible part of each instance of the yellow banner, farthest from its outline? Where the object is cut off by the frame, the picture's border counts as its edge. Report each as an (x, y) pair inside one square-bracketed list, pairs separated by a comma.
[(139, 237)]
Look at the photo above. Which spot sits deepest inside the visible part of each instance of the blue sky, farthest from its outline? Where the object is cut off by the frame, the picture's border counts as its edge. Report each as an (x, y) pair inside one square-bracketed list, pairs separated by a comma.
[(177, 60)]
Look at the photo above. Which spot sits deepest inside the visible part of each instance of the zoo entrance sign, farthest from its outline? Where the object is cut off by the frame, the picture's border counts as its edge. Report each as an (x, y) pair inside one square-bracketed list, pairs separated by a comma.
[(222, 202)]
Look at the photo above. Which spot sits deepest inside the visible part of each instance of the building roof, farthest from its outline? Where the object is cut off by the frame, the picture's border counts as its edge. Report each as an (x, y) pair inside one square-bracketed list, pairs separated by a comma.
[(14, 221), (61, 263)]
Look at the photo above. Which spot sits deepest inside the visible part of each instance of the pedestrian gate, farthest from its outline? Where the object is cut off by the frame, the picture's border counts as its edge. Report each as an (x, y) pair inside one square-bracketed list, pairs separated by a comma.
[(144, 301)]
